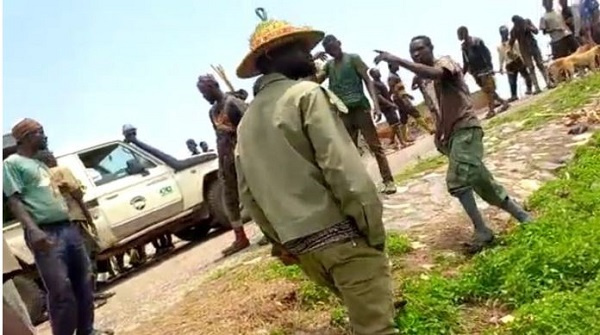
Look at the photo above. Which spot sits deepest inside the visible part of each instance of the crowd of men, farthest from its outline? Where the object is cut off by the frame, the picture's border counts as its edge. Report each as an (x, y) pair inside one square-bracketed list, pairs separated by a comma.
[(290, 157)]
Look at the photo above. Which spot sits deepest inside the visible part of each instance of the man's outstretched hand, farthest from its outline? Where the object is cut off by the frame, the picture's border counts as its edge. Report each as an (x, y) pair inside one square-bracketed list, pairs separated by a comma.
[(383, 56)]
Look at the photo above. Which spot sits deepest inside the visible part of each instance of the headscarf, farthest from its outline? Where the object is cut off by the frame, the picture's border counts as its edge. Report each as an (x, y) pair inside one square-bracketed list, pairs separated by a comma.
[(24, 128)]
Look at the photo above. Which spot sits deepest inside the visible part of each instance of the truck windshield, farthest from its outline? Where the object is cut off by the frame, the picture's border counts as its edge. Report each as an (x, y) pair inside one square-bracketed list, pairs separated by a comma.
[(110, 163)]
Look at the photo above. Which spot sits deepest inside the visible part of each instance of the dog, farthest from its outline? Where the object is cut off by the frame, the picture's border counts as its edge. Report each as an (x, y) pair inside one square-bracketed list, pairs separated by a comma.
[(587, 57)]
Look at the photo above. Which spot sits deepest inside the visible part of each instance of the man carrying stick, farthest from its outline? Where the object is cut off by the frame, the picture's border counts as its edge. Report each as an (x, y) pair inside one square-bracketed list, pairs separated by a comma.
[(225, 114), (458, 136)]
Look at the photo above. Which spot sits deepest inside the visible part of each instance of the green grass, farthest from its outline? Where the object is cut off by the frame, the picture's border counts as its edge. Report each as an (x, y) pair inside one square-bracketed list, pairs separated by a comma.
[(312, 295), (397, 244), (423, 165), (570, 312), (537, 268), (275, 269), (554, 105)]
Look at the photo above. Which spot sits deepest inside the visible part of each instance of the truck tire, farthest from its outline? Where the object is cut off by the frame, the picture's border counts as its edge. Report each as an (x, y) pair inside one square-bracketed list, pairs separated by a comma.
[(194, 233), (216, 204), (33, 297)]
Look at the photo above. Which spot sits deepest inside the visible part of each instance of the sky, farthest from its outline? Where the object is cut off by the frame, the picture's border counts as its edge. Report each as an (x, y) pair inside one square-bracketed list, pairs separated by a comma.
[(85, 68)]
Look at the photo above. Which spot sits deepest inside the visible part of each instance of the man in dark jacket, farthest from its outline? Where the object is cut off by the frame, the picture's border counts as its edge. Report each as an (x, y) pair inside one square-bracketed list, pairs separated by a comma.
[(477, 60)]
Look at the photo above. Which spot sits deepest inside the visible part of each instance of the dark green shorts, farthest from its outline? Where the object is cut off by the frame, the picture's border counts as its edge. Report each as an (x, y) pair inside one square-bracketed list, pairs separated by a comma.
[(466, 169)]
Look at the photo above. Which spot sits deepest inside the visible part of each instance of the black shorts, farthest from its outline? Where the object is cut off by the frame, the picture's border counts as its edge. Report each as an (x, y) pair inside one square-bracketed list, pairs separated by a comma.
[(564, 47), (406, 109), (391, 116)]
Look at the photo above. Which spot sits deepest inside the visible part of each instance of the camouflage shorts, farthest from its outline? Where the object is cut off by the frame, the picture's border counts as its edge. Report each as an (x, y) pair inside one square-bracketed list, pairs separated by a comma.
[(466, 169)]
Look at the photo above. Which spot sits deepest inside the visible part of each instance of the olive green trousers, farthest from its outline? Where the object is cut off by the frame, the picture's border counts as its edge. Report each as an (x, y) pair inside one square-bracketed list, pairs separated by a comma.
[(467, 170), (360, 275)]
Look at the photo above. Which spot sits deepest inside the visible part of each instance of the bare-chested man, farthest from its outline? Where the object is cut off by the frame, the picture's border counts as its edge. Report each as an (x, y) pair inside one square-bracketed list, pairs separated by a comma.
[(403, 100), (388, 108)]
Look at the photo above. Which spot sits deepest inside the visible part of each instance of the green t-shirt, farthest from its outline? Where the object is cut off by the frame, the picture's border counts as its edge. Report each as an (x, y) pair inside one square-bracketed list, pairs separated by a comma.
[(31, 180), (346, 82)]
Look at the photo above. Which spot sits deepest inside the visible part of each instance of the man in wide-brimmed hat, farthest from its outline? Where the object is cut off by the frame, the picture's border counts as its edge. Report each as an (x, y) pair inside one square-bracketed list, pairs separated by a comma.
[(54, 240), (303, 182)]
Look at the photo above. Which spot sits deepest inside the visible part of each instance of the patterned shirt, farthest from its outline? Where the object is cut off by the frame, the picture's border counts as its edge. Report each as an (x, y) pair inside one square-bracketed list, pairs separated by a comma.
[(227, 114)]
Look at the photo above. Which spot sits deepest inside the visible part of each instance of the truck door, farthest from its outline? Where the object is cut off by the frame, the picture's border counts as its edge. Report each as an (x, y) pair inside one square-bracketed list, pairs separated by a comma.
[(134, 191)]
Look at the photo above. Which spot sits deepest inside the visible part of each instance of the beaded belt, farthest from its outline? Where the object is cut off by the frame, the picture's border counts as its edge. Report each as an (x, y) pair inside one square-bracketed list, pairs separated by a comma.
[(342, 231)]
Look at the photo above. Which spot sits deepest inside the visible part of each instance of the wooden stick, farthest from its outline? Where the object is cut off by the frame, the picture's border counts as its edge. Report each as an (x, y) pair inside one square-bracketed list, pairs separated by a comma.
[(221, 73)]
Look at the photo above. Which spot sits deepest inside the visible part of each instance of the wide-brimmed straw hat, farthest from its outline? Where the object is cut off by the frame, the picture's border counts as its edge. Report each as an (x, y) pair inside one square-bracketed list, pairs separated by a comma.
[(270, 34)]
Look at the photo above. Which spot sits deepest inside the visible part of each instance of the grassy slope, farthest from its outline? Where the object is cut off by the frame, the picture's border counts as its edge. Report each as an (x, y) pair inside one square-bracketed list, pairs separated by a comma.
[(546, 272)]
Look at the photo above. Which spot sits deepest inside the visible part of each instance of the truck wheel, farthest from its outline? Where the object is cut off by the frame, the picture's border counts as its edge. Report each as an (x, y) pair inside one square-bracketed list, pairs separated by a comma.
[(194, 233), (33, 297), (216, 204)]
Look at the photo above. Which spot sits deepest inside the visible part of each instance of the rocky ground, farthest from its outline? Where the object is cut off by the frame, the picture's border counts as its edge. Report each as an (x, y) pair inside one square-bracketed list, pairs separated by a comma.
[(188, 292)]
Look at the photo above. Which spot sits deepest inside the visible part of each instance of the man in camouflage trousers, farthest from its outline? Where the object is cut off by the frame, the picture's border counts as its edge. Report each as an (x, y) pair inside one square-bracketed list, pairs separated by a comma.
[(459, 136)]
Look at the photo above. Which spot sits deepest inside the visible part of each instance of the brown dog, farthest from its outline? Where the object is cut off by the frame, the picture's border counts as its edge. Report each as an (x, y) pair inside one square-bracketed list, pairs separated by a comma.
[(587, 57)]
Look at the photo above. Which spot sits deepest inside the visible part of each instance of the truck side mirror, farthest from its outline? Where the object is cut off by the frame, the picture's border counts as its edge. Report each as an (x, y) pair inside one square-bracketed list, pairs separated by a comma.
[(135, 167)]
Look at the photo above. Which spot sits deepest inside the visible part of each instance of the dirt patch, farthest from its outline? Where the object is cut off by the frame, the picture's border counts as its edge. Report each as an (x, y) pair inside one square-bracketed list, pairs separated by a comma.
[(478, 318), (242, 302)]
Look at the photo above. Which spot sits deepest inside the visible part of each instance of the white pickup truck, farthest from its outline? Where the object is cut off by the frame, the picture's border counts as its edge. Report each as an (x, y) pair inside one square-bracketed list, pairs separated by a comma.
[(135, 194)]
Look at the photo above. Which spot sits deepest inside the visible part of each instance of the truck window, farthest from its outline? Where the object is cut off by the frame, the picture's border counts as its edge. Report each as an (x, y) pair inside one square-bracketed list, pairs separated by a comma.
[(110, 163)]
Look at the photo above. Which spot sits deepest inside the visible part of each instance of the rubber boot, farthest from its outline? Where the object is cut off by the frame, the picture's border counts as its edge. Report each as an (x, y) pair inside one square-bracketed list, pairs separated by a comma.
[(241, 242), (421, 122), (514, 209), (483, 235), (404, 134)]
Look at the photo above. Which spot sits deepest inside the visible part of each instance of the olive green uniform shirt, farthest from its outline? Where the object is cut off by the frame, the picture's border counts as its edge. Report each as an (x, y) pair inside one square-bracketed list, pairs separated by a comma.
[(298, 171)]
